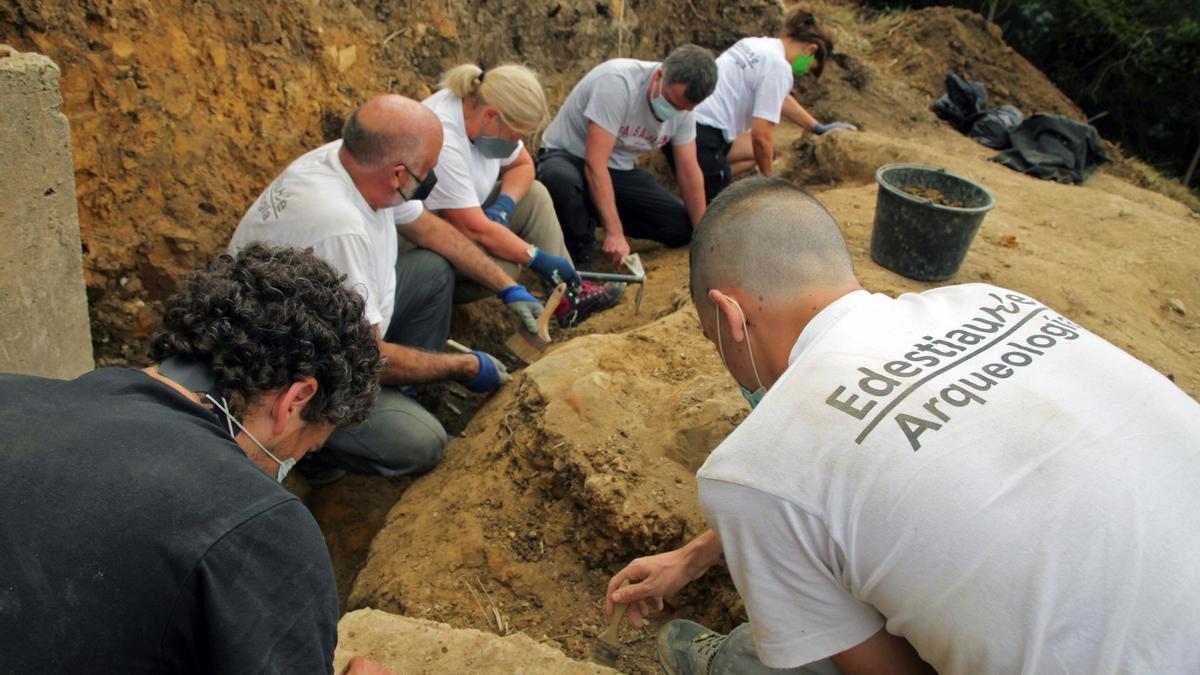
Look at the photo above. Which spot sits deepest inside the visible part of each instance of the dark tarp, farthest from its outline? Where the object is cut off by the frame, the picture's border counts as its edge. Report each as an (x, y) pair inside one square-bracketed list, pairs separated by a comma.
[(1053, 147)]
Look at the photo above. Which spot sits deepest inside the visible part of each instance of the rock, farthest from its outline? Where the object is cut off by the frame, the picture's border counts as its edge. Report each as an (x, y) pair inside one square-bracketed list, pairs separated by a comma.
[(407, 645), (1176, 305)]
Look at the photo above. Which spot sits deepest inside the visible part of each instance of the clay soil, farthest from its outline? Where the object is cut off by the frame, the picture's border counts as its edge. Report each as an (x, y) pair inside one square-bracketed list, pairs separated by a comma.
[(585, 460)]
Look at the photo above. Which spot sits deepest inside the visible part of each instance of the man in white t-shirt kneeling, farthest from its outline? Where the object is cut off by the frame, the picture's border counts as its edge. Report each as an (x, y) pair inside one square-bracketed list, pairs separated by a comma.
[(961, 479), (348, 200)]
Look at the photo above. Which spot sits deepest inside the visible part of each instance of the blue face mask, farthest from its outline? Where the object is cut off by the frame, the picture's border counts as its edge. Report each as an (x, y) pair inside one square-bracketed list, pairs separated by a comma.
[(752, 397), (284, 465), (660, 106), (494, 147)]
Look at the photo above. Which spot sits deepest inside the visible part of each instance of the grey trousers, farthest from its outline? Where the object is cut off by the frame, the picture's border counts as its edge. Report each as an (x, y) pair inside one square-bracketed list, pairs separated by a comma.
[(534, 221), (738, 657), (400, 437)]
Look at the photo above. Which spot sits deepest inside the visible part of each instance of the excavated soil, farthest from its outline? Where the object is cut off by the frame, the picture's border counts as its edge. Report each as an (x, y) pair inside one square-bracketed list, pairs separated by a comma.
[(182, 112)]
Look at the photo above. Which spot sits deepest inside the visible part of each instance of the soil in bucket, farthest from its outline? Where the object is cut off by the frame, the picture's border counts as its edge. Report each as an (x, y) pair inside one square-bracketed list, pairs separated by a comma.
[(925, 220)]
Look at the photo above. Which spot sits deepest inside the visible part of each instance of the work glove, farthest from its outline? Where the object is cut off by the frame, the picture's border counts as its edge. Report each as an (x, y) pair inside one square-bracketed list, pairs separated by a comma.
[(499, 210), (523, 305), (820, 129), (491, 373), (554, 269)]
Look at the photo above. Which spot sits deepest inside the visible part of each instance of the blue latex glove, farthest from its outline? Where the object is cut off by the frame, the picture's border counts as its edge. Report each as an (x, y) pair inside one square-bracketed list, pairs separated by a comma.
[(820, 129), (491, 374), (554, 269), (523, 305), (499, 210)]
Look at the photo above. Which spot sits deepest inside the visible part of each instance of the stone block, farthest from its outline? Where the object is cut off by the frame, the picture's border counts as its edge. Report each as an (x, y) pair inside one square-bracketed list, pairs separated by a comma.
[(45, 329)]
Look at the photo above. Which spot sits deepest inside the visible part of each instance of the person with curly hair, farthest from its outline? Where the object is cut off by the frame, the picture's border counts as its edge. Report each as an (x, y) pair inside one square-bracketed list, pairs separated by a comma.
[(349, 200), (142, 520)]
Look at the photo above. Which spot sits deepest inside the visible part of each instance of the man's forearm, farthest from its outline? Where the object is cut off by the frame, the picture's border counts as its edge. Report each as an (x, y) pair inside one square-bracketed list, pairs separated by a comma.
[(601, 188), (702, 553), (405, 365), (442, 238), (691, 187)]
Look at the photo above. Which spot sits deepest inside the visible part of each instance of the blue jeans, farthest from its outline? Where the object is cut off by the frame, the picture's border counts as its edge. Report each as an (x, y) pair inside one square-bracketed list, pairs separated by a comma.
[(400, 437)]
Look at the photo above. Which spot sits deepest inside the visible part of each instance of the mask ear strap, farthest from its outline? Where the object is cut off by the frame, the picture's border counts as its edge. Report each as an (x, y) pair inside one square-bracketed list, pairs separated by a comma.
[(746, 332)]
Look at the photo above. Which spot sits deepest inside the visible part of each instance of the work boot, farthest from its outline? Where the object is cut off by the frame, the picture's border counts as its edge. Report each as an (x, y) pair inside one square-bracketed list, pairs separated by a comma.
[(576, 306), (686, 648)]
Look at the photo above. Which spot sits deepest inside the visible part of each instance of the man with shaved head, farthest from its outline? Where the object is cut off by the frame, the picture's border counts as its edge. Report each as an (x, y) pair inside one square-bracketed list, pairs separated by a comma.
[(347, 200), (961, 479)]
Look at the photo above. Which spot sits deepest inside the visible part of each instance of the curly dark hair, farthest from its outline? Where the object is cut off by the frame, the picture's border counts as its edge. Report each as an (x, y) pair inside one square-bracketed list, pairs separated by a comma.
[(268, 317)]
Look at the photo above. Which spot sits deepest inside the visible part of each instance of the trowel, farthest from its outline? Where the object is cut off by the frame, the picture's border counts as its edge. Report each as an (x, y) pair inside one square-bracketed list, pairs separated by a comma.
[(529, 346)]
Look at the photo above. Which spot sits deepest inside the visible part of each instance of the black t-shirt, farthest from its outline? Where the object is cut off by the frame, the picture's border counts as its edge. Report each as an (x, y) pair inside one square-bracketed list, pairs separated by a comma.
[(135, 536)]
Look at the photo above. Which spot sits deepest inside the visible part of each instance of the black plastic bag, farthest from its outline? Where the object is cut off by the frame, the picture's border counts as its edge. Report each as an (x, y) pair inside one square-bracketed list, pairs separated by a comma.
[(993, 127), (963, 103)]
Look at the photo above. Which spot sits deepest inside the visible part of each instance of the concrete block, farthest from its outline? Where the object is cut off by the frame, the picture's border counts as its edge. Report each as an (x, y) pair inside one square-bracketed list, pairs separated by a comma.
[(44, 327)]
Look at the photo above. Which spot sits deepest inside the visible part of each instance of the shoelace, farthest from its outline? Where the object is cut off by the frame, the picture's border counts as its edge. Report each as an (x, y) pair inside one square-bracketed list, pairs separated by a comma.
[(706, 645)]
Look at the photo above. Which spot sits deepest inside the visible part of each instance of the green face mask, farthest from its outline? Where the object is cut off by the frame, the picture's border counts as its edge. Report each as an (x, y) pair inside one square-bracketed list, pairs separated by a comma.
[(801, 64)]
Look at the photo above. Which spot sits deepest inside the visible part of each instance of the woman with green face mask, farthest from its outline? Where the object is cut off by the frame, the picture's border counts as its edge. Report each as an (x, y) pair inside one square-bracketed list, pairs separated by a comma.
[(735, 126)]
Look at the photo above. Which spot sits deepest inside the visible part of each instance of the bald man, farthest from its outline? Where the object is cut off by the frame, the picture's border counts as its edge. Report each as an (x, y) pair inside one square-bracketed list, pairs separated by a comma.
[(348, 200), (961, 478)]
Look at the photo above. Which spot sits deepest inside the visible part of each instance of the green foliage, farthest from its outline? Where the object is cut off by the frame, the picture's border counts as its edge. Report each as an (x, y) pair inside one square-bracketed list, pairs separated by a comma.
[(1134, 66)]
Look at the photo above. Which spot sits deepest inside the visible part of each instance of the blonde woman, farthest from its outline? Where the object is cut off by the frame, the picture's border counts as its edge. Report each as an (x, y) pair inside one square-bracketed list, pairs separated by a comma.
[(486, 185)]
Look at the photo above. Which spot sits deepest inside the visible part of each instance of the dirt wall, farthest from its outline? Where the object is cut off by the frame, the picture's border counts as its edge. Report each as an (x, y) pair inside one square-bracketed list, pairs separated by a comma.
[(182, 112)]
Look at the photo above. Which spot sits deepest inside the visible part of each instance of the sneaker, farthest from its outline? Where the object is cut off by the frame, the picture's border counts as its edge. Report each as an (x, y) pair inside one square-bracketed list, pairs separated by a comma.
[(589, 298), (686, 648)]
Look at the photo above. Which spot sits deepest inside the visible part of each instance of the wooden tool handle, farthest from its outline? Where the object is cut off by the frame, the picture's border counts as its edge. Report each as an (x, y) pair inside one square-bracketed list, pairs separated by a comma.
[(548, 311), (458, 347), (614, 623)]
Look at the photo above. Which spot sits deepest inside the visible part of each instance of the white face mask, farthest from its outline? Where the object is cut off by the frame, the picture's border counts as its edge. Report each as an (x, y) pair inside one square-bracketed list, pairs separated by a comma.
[(284, 465), (752, 397)]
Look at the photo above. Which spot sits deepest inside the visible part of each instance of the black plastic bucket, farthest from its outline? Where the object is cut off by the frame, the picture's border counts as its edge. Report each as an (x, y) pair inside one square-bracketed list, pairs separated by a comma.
[(917, 237)]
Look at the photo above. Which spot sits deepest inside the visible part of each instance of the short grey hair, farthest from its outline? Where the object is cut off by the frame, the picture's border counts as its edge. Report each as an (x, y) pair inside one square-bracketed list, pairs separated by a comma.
[(693, 66), (768, 237)]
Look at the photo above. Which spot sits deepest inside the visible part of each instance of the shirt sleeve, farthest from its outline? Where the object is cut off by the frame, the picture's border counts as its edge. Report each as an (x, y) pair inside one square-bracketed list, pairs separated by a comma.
[(351, 255), (772, 89), (608, 103), (408, 211), (513, 157), (455, 189), (790, 574), (261, 600), (685, 128)]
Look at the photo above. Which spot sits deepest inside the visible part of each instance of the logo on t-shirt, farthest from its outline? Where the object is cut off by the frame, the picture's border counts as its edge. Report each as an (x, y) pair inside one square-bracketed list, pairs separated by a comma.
[(744, 56), (273, 201), (631, 134), (963, 364)]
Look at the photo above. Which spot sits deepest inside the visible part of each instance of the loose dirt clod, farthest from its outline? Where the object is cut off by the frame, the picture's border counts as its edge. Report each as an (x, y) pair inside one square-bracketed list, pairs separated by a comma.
[(934, 195)]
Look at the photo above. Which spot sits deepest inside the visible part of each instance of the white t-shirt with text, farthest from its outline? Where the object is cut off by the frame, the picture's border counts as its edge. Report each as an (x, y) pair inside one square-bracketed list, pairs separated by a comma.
[(465, 176), (753, 79), (1012, 492), (314, 203), (614, 96)]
